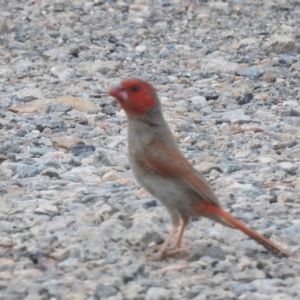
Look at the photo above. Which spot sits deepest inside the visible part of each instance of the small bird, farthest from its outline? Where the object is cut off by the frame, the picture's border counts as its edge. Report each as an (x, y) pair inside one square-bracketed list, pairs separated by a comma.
[(161, 168)]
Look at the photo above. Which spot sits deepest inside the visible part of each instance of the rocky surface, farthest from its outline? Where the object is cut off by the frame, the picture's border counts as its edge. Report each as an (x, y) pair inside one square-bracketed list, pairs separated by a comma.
[(73, 222)]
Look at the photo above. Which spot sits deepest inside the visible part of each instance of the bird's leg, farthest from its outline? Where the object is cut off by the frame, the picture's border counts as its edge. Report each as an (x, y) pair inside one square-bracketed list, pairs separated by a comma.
[(163, 251), (176, 249), (166, 243), (175, 220), (185, 221)]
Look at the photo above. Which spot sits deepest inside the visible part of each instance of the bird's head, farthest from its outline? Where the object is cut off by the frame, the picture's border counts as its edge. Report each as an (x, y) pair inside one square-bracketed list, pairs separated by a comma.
[(136, 97)]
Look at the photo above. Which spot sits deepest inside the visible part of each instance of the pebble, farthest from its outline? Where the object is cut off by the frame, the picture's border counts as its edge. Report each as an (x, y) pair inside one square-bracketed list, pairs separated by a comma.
[(252, 73), (158, 293), (66, 142), (133, 271), (83, 150), (280, 44), (104, 291), (288, 197)]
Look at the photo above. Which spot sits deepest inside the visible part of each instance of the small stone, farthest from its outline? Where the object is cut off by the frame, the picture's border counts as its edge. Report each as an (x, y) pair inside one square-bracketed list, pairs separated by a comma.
[(141, 194), (288, 167), (142, 234), (268, 78), (110, 176), (158, 293), (67, 142), (231, 168), (264, 160), (6, 264), (290, 103), (243, 154), (37, 152), (29, 94), (108, 110), (280, 44), (60, 255), (242, 288), (2, 158), (6, 276), (295, 67), (83, 150), (263, 97), (103, 291), (52, 122), (288, 197), (126, 181), (133, 290), (102, 67), (13, 189), (132, 272), (50, 172), (21, 132), (6, 242), (166, 102), (141, 48), (47, 209), (47, 131), (219, 65), (78, 103), (198, 101), (59, 107), (252, 73), (207, 167), (22, 109), (63, 73), (10, 147), (110, 158), (25, 171), (249, 275)]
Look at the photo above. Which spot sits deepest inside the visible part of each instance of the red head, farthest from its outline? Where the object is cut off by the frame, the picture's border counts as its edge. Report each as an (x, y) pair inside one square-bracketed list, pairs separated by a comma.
[(136, 97)]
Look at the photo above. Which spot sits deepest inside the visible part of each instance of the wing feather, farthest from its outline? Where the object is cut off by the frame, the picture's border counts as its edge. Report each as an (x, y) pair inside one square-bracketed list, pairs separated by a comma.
[(170, 162)]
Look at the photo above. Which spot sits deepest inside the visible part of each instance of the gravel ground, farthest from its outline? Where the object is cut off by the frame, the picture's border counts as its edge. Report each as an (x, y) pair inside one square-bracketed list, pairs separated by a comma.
[(73, 222)]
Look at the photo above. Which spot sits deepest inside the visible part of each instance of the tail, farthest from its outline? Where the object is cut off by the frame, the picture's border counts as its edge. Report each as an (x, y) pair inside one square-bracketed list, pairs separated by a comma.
[(218, 214)]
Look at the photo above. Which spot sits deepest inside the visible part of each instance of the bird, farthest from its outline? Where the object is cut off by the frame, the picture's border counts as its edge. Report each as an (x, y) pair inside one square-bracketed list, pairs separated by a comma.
[(161, 168)]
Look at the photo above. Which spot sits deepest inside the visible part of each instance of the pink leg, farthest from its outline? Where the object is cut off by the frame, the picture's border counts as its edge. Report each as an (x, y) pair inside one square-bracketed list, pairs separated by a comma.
[(167, 241), (185, 221)]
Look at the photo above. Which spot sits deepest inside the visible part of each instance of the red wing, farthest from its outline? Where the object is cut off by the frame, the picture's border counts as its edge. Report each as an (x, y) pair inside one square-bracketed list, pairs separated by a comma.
[(171, 163), (166, 161)]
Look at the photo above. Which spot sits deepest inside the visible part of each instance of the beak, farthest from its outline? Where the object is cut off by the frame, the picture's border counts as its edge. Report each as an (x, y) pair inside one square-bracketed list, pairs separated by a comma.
[(119, 92)]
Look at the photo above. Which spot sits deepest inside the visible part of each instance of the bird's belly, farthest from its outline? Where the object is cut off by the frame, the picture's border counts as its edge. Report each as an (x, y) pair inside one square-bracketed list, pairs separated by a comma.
[(171, 192)]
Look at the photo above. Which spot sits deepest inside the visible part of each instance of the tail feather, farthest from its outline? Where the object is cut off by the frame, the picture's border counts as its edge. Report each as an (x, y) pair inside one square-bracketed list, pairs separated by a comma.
[(217, 213)]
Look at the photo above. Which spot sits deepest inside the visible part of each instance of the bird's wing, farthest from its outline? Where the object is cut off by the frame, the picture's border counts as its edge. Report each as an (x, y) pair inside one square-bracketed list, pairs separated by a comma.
[(170, 162)]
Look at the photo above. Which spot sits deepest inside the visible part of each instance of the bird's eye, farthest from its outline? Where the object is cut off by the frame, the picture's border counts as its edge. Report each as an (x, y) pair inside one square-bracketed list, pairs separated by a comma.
[(135, 89)]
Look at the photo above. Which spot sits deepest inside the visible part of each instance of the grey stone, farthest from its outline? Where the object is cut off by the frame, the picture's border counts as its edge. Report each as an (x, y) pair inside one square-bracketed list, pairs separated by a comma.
[(252, 73), (280, 44), (242, 288), (295, 67), (132, 272), (104, 291), (142, 234), (63, 73), (10, 147), (107, 157), (59, 107), (54, 123), (158, 293), (83, 150), (25, 171)]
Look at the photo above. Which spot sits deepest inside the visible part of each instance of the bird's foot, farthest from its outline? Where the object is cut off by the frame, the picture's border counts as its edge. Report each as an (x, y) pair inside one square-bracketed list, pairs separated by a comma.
[(167, 253)]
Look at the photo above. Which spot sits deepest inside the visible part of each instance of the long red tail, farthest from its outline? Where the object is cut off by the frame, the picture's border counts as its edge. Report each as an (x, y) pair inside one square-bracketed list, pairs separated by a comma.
[(218, 214)]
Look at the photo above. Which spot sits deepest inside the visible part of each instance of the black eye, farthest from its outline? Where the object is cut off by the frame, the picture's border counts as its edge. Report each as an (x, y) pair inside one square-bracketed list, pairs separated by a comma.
[(135, 88)]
